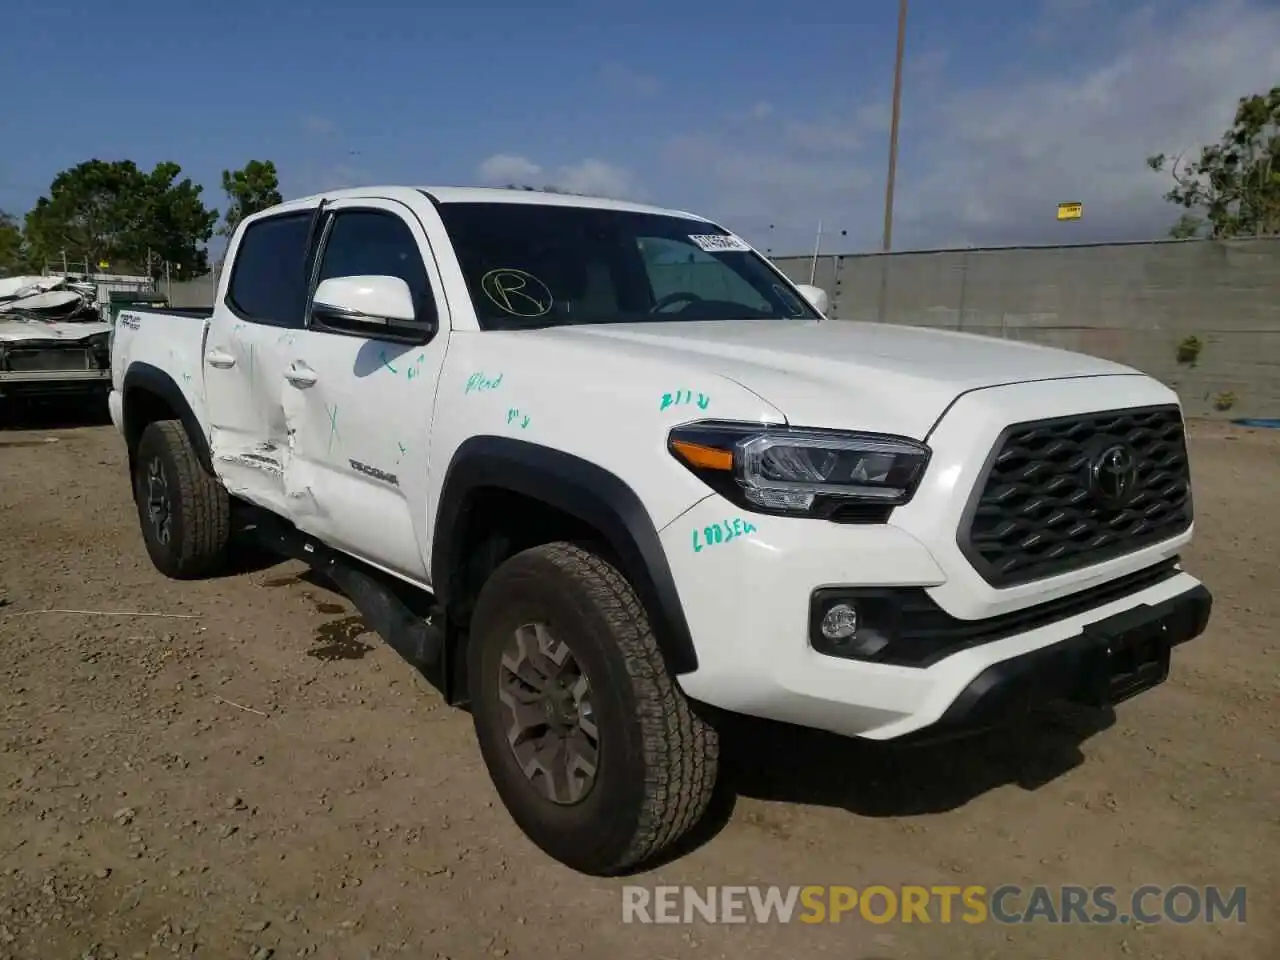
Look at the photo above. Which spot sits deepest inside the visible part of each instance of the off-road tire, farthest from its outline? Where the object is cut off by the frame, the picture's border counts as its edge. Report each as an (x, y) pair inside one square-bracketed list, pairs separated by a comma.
[(199, 507), (657, 759)]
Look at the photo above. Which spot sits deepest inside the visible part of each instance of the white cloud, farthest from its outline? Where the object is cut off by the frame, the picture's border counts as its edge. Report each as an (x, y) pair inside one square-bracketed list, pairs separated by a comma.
[(504, 168), (929, 64), (988, 163), (630, 81), (822, 136), (1006, 156), (589, 176), (788, 174), (319, 126), (318, 178), (595, 177)]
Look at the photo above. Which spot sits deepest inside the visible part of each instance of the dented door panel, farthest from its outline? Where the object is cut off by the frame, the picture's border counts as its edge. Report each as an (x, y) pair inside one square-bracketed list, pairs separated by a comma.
[(251, 441), (259, 309), (359, 446)]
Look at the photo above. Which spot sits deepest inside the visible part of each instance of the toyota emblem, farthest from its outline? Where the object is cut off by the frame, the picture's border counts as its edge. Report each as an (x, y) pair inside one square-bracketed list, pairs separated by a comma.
[(1115, 475)]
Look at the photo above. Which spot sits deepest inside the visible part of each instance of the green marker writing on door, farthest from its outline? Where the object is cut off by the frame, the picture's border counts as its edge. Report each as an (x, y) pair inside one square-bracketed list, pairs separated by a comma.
[(478, 383)]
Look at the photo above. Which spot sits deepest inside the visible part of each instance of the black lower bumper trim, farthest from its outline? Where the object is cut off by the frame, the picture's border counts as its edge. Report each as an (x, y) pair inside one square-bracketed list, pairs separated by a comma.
[(1108, 662)]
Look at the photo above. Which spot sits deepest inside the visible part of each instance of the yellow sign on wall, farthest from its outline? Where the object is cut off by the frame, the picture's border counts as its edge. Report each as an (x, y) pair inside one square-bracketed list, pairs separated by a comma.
[(1070, 211)]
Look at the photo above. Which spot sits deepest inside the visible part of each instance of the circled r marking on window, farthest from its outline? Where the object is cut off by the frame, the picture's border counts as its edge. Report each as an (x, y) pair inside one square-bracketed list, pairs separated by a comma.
[(518, 292)]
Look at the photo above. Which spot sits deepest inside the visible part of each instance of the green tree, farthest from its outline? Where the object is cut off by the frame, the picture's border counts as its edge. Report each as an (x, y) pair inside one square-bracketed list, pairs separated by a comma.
[(113, 211), (12, 255), (254, 187), (175, 224), (1232, 188)]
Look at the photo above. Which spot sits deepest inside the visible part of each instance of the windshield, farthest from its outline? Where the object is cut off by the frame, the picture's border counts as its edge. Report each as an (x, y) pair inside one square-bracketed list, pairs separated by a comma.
[(537, 265)]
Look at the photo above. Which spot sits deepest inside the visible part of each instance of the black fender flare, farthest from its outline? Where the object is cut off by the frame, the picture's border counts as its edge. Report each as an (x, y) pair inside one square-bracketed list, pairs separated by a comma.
[(580, 489), (145, 376)]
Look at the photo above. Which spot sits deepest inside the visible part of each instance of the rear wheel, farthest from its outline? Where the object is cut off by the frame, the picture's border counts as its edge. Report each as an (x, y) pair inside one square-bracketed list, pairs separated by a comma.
[(184, 511), (594, 750)]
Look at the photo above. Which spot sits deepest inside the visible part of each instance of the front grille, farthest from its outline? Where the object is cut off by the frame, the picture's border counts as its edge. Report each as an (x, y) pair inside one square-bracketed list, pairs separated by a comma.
[(40, 359), (1039, 511)]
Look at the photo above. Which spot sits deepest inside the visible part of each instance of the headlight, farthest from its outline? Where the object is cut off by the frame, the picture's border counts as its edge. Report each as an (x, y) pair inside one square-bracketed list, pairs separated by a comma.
[(792, 471)]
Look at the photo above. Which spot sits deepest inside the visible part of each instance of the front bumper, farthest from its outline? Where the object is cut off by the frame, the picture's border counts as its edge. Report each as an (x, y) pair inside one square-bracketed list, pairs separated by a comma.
[(749, 601), (53, 383), (960, 650), (1107, 662), (115, 406), (39, 367)]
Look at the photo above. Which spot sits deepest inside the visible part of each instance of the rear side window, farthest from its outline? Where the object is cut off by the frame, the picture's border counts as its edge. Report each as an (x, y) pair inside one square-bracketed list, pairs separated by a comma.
[(269, 277)]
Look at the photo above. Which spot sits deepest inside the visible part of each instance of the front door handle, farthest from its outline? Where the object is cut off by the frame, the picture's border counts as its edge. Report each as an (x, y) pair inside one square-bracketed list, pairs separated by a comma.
[(300, 375), (220, 359)]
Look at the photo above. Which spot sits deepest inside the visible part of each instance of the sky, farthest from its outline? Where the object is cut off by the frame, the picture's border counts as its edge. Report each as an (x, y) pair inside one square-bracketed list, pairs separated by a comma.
[(767, 118)]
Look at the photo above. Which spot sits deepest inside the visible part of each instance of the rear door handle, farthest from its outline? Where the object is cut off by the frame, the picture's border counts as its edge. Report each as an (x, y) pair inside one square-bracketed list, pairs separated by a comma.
[(220, 359), (300, 375)]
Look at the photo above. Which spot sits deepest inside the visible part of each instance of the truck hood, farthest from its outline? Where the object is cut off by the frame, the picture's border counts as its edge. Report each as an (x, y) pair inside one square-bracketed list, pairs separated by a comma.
[(894, 379), (12, 331)]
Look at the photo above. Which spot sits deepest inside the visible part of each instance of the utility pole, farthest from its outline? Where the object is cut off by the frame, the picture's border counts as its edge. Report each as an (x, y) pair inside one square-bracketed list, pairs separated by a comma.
[(817, 245), (887, 245)]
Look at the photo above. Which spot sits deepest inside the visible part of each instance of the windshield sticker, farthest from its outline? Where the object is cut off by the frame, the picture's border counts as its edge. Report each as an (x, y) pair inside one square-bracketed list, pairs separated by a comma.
[(517, 292), (719, 243)]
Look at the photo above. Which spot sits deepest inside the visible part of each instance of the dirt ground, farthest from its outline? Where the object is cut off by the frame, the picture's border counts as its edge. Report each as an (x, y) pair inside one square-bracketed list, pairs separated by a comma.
[(256, 776)]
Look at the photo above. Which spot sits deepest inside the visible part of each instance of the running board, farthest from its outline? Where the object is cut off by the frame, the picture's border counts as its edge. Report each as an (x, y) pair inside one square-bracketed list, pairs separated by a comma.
[(411, 636), (402, 615)]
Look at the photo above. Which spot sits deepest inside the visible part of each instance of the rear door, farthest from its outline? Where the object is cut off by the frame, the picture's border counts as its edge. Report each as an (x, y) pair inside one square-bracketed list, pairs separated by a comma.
[(244, 356), (363, 406)]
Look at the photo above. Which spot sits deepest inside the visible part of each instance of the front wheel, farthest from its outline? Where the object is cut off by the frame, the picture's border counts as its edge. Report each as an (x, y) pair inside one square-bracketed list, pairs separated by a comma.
[(594, 750), (184, 511)]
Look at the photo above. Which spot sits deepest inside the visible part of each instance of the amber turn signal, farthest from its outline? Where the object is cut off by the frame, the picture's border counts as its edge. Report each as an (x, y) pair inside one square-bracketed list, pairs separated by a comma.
[(702, 457)]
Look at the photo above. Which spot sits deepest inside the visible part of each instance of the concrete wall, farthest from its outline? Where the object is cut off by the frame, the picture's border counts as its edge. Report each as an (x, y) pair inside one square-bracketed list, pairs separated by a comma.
[(191, 293), (1134, 303)]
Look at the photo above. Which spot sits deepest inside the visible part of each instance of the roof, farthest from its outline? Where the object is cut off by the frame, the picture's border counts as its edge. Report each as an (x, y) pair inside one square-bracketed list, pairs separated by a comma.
[(446, 194)]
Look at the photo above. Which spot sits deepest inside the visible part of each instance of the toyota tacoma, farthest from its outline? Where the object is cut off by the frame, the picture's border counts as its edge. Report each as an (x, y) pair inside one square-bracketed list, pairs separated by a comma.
[(605, 475)]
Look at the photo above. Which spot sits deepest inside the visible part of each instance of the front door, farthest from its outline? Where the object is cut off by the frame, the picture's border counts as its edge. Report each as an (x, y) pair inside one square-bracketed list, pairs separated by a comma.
[(244, 358), (363, 406)]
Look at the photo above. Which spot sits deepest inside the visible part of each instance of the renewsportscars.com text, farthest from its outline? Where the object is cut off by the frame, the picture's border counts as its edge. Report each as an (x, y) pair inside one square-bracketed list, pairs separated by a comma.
[(971, 904)]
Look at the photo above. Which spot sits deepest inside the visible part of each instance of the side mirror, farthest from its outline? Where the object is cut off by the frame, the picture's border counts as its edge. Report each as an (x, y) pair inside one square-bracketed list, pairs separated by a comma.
[(816, 296), (372, 305)]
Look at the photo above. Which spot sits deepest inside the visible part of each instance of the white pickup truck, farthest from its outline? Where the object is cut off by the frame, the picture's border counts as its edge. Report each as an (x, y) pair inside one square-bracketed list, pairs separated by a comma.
[(603, 473)]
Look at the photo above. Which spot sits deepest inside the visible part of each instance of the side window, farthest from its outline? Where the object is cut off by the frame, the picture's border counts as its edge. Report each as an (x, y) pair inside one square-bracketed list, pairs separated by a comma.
[(269, 277), (363, 242), (677, 267)]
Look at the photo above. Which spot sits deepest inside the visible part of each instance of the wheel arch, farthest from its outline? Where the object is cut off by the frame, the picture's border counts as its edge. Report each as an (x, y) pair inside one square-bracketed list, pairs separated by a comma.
[(595, 498), (150, 394)]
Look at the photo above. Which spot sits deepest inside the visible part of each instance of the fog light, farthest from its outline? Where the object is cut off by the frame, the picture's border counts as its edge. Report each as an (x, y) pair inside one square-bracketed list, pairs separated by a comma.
[(840, 622)]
